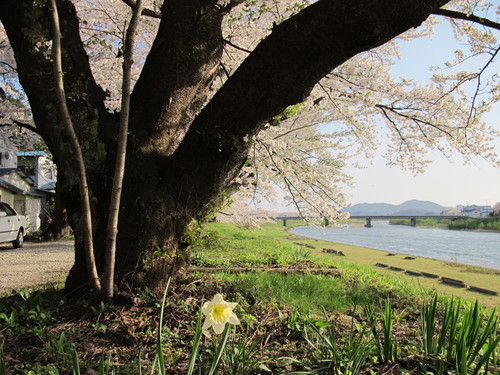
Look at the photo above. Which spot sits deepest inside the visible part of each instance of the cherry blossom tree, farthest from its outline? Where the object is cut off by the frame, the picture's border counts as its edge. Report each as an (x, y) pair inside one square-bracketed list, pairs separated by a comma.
[(231, 95), (496, 209)]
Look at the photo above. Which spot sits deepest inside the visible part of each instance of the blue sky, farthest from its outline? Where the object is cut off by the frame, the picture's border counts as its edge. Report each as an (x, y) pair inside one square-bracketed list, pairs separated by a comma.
[(446, 182)]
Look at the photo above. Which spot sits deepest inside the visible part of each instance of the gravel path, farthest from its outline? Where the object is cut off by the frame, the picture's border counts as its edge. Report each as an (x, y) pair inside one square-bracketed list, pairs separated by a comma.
[(35, 264)]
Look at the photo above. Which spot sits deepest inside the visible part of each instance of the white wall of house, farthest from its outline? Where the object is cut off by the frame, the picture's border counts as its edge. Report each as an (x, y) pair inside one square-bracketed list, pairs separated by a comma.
[(23, 195), (477, 211), (33, 208), (38, 166), (23, 200), (7, 196), (46, 171)]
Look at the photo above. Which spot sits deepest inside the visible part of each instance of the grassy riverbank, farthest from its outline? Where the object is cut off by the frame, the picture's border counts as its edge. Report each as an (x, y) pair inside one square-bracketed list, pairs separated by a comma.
[(302, 311), (237, 245)]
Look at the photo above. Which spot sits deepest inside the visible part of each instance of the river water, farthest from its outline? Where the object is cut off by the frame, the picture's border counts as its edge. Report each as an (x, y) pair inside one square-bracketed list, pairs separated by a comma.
[(466, 247)]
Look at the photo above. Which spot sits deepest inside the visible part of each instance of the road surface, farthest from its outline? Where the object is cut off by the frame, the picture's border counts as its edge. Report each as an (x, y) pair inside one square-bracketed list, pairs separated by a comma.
[(36, 263)]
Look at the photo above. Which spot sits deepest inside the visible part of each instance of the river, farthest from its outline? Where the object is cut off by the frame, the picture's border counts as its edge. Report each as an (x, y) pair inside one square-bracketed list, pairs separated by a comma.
[(466, 247)]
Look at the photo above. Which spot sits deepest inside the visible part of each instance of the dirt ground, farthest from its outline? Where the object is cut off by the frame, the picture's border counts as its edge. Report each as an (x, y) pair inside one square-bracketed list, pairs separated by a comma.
[(36, 263)]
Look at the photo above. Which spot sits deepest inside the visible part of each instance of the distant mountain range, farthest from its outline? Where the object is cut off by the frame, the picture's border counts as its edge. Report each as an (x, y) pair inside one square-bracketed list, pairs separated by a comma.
[(412, 207)]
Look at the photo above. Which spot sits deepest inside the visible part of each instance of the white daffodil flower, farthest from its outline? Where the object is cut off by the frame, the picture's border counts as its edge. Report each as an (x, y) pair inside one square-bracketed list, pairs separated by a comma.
[(217, 313)]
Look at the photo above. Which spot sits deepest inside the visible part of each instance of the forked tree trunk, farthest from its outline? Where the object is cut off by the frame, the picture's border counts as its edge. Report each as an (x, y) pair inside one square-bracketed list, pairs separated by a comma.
[(183, 151)]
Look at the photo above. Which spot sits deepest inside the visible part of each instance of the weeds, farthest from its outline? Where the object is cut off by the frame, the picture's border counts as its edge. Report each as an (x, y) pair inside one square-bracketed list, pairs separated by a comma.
[(283, 318), (61, 350), (301, 254), (467, 340), (336, 353), (30, 315), (293, 323), (386, 345), (428, 324), (240, 355), (453, 338)]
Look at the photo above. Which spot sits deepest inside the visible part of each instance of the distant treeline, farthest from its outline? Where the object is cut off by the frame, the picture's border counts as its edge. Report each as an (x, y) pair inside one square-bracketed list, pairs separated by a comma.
[(462, 223)]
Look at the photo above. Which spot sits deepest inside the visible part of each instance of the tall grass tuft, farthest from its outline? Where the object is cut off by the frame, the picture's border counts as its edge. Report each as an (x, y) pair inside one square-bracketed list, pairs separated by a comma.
[(334, 353), (240, 355), (195, 345), (75, 362), (428, 323), (301, 254), (468, 340), (386, 345)]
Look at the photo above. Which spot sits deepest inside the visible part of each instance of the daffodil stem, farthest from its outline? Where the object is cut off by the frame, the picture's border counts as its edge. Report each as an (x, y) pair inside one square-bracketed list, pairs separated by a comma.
[(220, 349), (159, 349), (196, 345)]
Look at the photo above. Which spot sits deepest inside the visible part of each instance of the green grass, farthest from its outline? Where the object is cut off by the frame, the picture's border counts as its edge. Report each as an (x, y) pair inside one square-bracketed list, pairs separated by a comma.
[(272, 244), (358, 319), (302, 292), (225, 245), (228, 245)]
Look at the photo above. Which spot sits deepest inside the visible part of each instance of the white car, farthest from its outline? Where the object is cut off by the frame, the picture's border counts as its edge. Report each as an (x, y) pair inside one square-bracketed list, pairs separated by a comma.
[(12, 226)]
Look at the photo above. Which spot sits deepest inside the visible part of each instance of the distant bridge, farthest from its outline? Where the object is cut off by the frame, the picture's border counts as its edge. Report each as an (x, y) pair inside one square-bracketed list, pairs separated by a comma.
[(369, 218)]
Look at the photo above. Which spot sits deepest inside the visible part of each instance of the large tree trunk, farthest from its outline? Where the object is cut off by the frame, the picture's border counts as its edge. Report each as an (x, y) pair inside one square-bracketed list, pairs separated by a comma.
[(182, 151), (58, 226)]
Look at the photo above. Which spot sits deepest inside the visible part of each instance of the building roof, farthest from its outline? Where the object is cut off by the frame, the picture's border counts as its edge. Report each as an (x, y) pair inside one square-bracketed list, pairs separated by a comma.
[(5, 171), (31, 153), (13, 188), (48, 186)]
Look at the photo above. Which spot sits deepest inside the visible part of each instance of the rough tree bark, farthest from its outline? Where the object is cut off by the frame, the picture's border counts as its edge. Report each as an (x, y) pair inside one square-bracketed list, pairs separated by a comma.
[(58, 226), (182, 151)]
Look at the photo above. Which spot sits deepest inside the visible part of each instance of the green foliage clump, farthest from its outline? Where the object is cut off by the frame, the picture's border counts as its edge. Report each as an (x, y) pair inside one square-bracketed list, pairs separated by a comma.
[(31, 314), (460, 223), (469, 223), (289, 112)]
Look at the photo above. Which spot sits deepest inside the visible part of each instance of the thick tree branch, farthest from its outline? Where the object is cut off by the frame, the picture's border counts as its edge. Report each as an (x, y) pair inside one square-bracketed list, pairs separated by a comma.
[(31, 40), (467, 17), (35, 75), (282, 71), (12, 68), (177, 74)]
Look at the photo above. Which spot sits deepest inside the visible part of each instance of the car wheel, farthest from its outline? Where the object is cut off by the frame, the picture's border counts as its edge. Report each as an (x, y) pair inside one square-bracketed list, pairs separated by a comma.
[(19, 241)]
